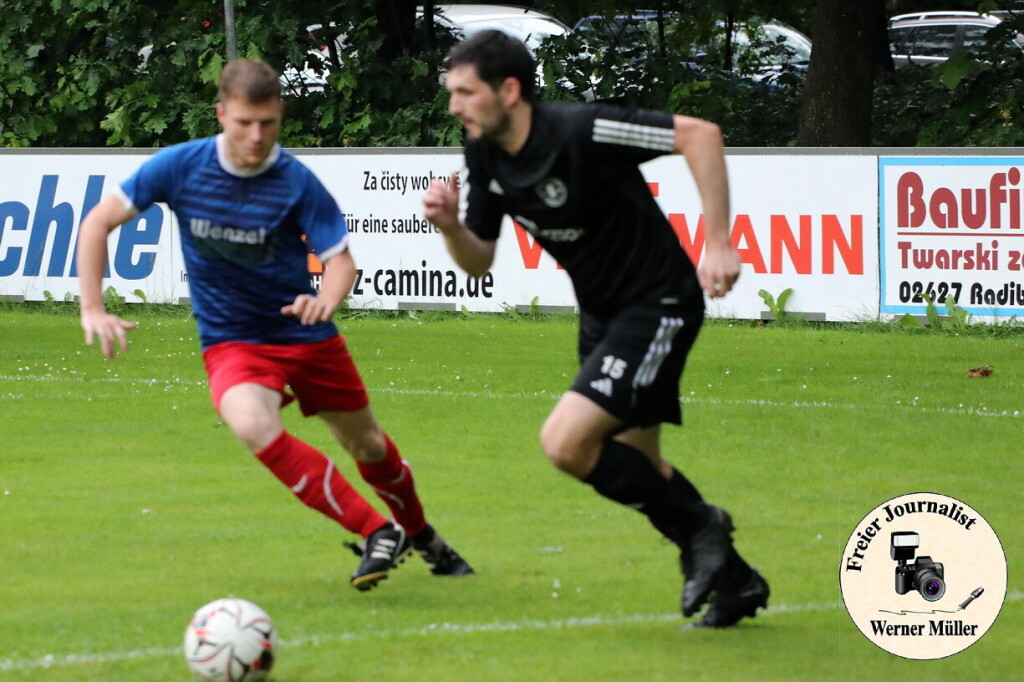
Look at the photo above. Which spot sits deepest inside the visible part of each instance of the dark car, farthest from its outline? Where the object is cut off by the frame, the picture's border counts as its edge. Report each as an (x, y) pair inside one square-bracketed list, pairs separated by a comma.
[(930, 38), (766, 48)]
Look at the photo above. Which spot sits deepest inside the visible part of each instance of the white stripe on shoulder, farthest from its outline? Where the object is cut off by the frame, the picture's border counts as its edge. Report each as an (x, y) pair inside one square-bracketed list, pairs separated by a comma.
[(634, 135), (125, 200), (334, 250)]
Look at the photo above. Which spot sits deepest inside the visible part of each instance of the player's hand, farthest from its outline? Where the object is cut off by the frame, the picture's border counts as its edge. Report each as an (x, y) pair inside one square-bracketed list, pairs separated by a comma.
[(108, 328), (309, 309), (719, 270), (441, 204)]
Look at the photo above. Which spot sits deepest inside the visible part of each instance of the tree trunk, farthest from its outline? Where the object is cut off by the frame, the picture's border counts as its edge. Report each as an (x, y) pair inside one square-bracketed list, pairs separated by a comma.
[(397, 19), (850, 48)]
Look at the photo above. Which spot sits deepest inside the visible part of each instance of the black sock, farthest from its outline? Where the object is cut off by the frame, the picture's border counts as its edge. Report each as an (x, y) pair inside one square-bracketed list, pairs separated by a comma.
[(683, 486), (625, 475), (423, 539)]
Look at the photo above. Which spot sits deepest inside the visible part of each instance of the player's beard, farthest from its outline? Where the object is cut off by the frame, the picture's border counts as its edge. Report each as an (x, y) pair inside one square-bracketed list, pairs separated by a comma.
[(499, 129)]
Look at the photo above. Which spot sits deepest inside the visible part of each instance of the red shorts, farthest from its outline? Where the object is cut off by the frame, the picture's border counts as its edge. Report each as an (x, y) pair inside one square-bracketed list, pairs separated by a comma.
[(321, 375)]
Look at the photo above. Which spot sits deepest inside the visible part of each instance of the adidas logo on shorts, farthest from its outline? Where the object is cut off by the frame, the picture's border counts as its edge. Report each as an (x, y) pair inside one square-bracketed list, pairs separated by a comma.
[(602, 386)]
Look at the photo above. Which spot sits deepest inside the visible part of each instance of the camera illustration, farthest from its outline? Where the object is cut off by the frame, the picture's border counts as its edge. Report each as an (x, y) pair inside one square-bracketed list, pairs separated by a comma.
[(923, 575)]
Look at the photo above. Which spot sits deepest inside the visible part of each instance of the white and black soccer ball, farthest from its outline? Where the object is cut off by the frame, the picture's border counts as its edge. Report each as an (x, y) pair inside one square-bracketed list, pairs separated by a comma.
[(230, 640)]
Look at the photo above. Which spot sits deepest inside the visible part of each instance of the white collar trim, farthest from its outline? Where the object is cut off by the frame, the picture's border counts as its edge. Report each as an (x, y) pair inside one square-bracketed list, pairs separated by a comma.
[(225, 162)]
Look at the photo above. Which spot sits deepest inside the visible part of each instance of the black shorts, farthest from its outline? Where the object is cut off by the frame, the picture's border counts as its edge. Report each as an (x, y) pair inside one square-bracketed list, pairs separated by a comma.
[(631, 364)]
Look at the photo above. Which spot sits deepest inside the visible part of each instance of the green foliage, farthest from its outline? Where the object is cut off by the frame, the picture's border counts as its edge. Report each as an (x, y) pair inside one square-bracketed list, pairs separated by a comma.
[(979, 98), (777, 307), (659, 72), (59, 59), (908, 321), (956, 320), (958, 317), (94, 73), (367, 101), (113, 302), (140, 74)]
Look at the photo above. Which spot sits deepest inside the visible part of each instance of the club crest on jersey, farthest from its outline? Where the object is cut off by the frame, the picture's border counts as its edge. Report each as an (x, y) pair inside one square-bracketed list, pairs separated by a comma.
[(552, 191)]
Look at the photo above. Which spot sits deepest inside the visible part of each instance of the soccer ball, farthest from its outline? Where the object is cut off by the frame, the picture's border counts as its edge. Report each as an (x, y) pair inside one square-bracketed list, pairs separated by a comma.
[(230, 639)]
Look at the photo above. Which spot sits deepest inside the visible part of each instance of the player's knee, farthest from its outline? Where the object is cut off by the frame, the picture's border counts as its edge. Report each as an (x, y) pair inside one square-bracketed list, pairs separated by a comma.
[(563, 452), (252, 415), (255, 435), (254, 432)]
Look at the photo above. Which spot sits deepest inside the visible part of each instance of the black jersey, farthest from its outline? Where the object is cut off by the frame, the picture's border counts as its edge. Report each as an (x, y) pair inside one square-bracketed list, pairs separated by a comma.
[(577, 188)]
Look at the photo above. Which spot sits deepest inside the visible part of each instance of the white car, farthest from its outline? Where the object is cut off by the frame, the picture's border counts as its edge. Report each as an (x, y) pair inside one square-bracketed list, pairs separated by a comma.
[(530, 26), (930, 38)]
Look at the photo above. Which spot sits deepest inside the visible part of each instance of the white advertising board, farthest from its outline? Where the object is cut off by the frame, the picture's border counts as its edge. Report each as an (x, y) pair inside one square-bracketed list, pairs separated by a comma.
[(950, 230), (801, 222), (43, 198), (806, 223), (402, 259)]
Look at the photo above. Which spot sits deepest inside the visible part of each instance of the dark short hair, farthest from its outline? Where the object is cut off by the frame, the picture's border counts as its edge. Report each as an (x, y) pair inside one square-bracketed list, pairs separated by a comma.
[(496, 56), (249, 79)]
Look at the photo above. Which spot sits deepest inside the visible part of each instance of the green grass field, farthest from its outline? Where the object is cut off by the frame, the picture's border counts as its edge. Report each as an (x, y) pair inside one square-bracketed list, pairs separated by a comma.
[(124, 506)]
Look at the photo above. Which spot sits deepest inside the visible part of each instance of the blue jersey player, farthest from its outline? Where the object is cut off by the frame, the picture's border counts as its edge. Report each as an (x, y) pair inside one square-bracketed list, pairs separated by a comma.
[(246, 210)]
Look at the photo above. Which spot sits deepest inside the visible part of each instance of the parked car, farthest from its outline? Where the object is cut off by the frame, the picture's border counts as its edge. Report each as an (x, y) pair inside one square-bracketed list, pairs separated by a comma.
[(773, 47), (529, 25), (930, 38), (462, 21)]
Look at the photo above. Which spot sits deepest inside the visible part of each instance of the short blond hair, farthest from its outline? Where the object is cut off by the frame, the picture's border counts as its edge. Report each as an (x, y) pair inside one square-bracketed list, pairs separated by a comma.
[(250, 79)]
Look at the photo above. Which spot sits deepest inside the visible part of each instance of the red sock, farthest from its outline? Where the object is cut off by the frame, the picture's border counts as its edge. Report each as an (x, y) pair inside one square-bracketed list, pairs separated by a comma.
[(391, 478), (315, 480)]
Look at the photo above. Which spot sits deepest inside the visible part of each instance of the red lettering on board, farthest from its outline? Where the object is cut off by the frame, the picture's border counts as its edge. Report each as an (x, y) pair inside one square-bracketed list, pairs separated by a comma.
[(693, 245), (951, 207), (529, 249), (823, 236), (833, 241), (799, 250), (743, 232)]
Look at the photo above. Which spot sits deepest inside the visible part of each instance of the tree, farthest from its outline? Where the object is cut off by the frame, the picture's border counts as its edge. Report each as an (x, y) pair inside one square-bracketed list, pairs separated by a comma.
[(397, 21), (57, 60), (850, 49), (144, 73)]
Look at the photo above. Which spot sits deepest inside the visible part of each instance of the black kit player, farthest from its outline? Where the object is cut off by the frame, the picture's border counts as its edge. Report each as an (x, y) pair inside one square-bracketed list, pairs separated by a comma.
[(569, 175)]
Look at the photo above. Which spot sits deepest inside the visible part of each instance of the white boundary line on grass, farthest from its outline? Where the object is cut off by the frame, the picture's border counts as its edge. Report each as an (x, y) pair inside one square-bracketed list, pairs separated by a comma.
[(750, 402), (79, 379), (960, 410), (69, 660)]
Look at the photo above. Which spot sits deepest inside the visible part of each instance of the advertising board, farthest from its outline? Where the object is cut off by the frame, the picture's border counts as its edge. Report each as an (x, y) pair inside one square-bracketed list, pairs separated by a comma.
[(851, 236), (950, 232)]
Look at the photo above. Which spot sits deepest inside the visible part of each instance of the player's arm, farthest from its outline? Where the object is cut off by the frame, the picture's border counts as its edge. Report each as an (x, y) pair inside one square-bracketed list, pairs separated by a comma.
[(91, 259), (700, 142), (339, 274), (441, 208)]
